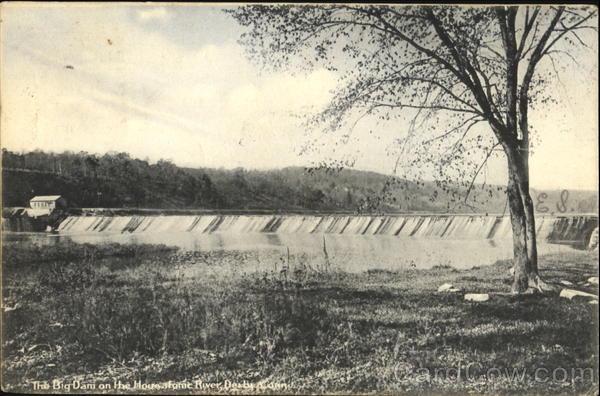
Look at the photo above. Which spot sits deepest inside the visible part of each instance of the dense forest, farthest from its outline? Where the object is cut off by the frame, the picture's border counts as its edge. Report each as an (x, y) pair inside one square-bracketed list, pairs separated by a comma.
[(115, 180)]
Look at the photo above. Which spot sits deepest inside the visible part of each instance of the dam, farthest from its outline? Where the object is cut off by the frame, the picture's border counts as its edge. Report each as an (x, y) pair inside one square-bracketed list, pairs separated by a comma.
[(553, 229), (352, 242)]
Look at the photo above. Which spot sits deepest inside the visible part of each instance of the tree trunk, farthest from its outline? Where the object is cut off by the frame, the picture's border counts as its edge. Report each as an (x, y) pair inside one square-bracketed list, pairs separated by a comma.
[(531, 231), (519, 229), (533, 277), (526, 197), (522, 215)]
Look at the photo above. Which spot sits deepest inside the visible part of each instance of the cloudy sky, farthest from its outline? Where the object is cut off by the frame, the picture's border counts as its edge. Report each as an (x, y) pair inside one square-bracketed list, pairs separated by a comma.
[(170, 81)]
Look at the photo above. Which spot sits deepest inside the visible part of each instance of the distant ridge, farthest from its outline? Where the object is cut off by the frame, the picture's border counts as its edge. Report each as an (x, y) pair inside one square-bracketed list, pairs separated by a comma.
[(117, 180)]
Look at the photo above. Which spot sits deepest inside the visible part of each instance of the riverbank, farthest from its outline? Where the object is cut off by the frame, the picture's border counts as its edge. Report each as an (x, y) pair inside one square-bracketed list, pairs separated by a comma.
[(134, 323)]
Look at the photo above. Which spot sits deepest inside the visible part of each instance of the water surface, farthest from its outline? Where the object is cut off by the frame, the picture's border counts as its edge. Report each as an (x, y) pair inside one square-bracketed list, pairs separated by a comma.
[(348, 252)]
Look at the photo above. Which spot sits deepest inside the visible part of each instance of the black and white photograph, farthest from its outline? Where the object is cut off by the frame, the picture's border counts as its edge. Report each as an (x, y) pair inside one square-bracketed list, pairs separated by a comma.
[(317, 198)]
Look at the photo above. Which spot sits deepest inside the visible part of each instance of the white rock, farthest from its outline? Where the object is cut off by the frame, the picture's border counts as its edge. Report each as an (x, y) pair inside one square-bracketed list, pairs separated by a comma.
[(8, 309), (595, 302), (566, 283), (445, 287), (476, 297), (593, 243), (511, 270), (454, 290), (570, 293), (593, 280)]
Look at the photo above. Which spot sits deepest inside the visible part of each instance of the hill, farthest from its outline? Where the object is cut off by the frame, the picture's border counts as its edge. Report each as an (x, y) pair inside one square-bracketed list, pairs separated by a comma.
[(115, 180)]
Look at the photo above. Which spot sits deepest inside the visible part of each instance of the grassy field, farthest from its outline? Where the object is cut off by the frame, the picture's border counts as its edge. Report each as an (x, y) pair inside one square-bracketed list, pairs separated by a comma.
[(122, 318)]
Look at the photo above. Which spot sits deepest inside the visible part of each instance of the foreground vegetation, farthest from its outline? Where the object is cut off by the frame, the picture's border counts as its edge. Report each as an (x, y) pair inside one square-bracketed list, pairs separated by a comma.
[(150, 315)]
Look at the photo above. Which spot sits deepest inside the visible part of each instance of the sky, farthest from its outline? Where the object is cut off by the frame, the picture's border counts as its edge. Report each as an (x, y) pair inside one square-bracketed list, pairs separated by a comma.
[(171, 82)]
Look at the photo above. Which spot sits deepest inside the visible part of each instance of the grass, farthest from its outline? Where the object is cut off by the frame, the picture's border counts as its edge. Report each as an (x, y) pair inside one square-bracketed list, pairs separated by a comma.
[(150, 315)]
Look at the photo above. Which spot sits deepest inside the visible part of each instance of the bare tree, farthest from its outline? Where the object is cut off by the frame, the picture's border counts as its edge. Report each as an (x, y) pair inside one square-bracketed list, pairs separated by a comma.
[(472, 64)]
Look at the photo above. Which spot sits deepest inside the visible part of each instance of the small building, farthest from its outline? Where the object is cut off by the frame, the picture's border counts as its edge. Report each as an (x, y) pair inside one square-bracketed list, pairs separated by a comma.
[(44, 205)]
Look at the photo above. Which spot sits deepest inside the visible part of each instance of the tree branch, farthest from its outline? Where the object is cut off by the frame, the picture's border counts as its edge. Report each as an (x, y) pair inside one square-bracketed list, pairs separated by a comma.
[(565, 31), (400, 105), (457, 128), (529, 22), (489, 154), (470, 77)]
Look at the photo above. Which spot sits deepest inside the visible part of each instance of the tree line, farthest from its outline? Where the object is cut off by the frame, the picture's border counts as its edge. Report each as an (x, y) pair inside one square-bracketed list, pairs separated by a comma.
[(110, 180), (116, 180)]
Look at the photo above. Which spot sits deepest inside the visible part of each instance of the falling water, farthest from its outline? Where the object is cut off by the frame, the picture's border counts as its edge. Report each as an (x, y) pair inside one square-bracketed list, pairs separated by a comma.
[(562, 229)]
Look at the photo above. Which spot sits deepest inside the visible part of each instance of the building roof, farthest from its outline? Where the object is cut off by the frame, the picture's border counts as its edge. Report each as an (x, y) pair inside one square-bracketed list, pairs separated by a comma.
[(45, 198)]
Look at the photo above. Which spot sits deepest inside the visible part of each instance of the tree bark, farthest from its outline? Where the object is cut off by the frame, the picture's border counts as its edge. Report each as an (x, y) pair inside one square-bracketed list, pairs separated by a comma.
[(533, 277), (531, 232), (519, 229), (522, 214)]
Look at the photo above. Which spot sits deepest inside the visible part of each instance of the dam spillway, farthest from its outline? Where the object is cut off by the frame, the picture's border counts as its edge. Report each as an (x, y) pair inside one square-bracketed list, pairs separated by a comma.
[(353, 242), (554, 229)]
